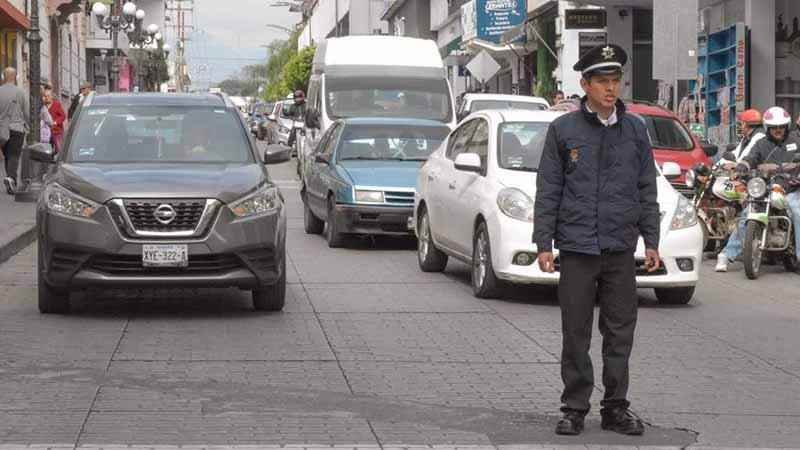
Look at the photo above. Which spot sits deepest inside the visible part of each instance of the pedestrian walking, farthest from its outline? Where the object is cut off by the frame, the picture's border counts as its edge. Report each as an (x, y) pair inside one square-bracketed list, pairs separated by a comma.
[(84, 91), (14, 110), (596, 194), (58, 115)]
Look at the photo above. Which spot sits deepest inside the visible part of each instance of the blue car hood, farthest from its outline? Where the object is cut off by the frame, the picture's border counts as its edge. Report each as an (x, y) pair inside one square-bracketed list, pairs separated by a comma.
[(390, 174)]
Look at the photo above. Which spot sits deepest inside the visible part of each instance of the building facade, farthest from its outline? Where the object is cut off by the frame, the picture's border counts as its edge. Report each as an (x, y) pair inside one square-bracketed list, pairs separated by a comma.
[(333, 18)]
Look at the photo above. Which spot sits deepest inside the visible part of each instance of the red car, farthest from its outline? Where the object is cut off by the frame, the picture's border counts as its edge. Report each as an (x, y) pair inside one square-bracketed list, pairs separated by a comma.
[(671, 140)]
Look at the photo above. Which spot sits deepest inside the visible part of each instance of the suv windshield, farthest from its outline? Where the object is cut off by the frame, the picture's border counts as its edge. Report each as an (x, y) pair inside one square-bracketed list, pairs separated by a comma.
[(479, 105), (667, 133), (388, 97), (405, 143), (520, 145), (163, 134)]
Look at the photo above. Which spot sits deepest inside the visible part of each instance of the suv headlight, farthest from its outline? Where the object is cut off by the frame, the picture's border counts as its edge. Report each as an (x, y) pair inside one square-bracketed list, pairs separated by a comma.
[(515, 204), (685, 215), (62, 201), (756, 187), (263, 201), (369, 196)]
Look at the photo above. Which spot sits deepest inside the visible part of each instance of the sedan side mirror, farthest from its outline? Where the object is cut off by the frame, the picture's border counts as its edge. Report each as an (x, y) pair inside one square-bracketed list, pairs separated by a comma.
[(275, 158), (312, 118), (322, 158), (468, 162), (42, 152), (710, 149), (671, 170)]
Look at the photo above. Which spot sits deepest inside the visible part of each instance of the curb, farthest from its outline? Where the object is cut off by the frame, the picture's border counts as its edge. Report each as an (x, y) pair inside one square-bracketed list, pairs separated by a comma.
[(22, 235)]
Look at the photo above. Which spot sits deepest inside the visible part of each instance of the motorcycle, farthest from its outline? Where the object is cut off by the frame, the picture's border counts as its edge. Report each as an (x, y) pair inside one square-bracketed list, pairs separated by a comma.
[(718, 200), (769, 231)]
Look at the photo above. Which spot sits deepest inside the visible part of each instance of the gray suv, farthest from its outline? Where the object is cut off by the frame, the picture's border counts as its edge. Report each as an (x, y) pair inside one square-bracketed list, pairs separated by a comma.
[(159, 191)]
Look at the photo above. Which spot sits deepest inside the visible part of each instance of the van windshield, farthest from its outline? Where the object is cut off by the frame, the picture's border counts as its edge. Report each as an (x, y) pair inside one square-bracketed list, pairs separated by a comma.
[(388, 97)]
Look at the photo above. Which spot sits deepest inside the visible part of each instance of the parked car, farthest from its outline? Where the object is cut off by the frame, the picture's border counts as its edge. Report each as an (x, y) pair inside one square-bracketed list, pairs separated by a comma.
[(157, 190), (475, 102), (363, 176), (278, 125), (254, 123), (671, 140), (475, 202)]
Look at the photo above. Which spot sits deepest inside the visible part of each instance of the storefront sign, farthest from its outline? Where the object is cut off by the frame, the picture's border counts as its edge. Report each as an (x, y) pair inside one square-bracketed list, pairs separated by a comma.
[(589, 40), (585, 19), (489, 19)]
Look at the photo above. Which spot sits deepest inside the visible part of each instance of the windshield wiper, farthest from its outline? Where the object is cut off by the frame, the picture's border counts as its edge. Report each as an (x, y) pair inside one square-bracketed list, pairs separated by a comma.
[(529, 169), (365, 158)]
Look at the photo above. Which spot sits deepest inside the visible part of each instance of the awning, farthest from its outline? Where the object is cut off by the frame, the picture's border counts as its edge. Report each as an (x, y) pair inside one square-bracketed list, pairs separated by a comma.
[(11, 17), (491, 47)]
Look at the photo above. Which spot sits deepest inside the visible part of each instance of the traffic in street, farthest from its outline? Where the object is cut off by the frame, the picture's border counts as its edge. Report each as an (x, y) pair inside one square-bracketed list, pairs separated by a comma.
[(371, 351)]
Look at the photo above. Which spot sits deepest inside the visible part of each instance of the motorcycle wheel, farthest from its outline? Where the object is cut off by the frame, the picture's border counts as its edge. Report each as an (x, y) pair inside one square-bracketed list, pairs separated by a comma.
[(752, 249)]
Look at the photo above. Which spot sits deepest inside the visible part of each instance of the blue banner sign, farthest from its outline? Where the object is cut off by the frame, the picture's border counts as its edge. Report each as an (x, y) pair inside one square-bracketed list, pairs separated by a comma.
[(495, 17)]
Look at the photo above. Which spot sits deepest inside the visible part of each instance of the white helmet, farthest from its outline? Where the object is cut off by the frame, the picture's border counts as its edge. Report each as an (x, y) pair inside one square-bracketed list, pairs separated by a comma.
[(776, 117)]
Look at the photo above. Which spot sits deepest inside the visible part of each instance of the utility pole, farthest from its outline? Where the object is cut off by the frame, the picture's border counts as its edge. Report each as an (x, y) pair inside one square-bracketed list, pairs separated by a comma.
[(180, 26)]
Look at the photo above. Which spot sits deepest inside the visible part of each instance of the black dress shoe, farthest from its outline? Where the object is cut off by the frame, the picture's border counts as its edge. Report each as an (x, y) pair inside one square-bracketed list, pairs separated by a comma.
[(622, 421), (571, 424)]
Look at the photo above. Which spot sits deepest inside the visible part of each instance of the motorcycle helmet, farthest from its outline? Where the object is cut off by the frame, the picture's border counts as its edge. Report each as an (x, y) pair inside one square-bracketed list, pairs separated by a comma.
[(750, 117), (776, 117)]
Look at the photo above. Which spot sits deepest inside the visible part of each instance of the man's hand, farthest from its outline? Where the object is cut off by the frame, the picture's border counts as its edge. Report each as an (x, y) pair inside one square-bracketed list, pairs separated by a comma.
[(652, 260), (547, 262)]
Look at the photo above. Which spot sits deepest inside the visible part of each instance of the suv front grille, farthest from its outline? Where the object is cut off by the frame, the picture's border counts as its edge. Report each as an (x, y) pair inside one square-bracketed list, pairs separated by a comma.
[(188, 213), (132, 265)]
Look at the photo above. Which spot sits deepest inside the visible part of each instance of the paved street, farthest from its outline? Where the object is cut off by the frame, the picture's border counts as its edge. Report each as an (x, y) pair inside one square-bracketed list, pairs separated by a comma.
[(370, 351)]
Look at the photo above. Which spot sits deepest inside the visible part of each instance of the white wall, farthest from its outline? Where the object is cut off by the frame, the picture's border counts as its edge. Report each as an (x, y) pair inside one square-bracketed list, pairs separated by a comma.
[(365, 17), (438, 13), (620, 32)]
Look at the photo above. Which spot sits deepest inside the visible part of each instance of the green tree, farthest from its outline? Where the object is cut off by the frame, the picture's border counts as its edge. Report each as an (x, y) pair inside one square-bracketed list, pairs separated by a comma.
[(297, 70)]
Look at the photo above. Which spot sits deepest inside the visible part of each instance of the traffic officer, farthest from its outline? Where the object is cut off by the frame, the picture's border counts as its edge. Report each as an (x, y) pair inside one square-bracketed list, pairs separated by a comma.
[(596, 194)]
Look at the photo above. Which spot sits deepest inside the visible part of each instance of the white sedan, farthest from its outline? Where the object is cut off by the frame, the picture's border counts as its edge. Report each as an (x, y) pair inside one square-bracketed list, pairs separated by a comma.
[(474, 202)]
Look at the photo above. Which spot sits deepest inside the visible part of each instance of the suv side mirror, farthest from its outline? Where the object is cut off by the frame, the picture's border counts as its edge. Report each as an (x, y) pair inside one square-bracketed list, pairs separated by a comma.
[(42, 152), (271, 118), (468, 162), (274, 158), (671, 170)]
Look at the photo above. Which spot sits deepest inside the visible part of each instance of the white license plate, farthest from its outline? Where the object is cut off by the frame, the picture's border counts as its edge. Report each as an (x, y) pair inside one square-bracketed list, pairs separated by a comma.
[(165, 255)]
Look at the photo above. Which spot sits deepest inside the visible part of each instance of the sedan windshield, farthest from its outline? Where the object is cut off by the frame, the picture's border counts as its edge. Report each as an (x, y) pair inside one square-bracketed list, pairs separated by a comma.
[(520, 145), (387, 97), (479, 105), (163, 134), (405, 143)]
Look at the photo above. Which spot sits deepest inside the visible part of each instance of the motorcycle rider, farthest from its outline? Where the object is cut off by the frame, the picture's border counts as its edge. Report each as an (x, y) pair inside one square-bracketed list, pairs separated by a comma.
[(752, 132), (297, 112), (778, 148)]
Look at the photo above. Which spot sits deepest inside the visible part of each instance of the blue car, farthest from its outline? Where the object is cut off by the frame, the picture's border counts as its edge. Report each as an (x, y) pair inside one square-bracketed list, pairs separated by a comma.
[(362, 175)]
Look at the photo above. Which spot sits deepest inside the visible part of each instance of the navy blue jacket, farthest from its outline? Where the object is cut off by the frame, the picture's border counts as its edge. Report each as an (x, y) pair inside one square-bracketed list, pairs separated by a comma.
[(596, 186)]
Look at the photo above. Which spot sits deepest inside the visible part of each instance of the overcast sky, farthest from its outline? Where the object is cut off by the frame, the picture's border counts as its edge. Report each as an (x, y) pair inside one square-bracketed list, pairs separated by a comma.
[(229, 34)]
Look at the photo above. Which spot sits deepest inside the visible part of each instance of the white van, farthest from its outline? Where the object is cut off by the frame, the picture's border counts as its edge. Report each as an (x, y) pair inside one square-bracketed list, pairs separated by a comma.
[(375, 76)]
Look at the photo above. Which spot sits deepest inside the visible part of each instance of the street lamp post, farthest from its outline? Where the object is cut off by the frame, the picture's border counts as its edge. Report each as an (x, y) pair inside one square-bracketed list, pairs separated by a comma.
[(114, 23), (29, 189)]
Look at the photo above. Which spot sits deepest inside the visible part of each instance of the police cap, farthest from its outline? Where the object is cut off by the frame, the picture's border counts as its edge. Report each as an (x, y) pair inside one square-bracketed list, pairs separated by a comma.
[(603, 59)]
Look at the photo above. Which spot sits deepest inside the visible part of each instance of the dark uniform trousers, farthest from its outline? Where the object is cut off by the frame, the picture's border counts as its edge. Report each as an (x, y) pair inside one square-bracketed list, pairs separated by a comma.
[(609, 279)]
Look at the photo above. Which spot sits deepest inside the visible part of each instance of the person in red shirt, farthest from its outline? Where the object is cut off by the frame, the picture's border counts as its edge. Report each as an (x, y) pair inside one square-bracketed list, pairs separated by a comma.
[(58, 115)]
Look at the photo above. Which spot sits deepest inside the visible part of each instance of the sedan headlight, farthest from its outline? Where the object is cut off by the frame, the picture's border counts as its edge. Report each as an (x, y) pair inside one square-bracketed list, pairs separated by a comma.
[(60, 200), (263, 201), (756, 187), (515, 204), (369, 196), (685, 215)]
